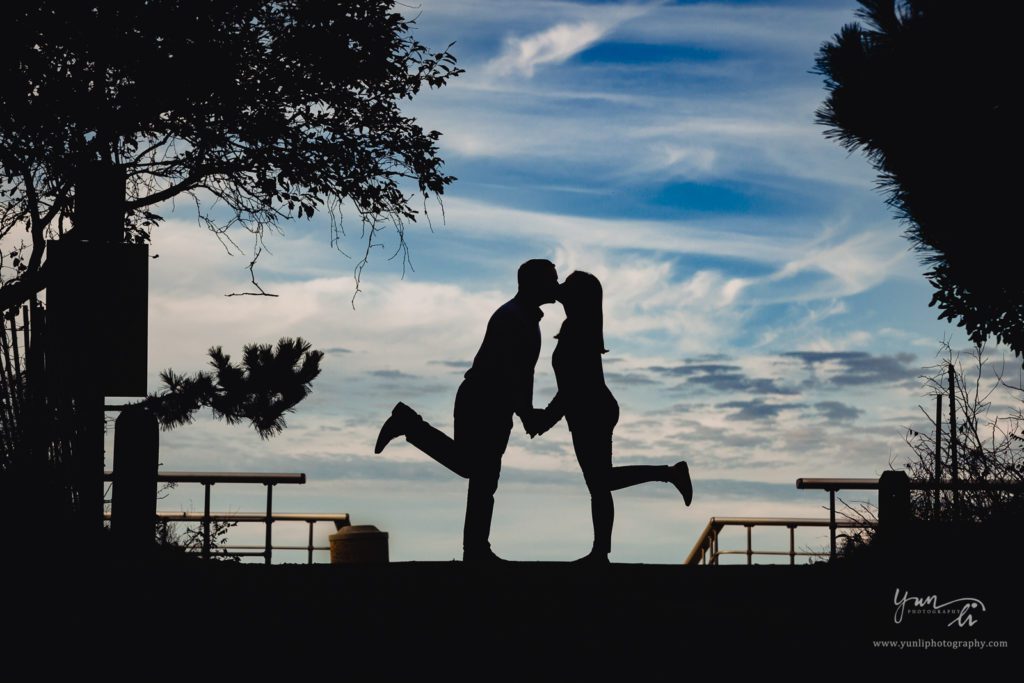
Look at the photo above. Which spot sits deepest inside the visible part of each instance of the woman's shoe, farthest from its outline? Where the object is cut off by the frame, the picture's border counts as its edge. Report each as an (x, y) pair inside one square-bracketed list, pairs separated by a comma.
[(592, 558), (680, 478), (482, 556)]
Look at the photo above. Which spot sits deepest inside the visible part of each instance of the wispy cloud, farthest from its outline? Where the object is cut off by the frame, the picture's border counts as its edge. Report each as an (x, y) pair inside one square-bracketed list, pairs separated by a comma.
[(782, 27), (554, 45), (723, 378), (854, 368), (757, 409), (837, 411)]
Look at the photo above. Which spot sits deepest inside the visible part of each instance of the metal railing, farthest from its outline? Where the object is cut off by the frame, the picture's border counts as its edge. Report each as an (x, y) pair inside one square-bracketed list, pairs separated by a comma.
[(707, 551), (340, 519), (832, 485), (268, 479)]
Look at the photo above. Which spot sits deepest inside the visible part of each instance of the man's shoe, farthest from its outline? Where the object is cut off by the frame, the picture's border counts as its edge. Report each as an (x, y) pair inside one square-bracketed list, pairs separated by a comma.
[(680, 478), (395, 426), (479, 557)]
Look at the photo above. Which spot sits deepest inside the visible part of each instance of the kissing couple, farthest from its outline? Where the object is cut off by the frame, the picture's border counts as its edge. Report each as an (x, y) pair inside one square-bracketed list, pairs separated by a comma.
[(500, 384)]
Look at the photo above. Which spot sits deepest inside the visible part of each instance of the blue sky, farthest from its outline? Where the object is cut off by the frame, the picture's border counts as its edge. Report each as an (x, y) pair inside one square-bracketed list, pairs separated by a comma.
[(765, 317)]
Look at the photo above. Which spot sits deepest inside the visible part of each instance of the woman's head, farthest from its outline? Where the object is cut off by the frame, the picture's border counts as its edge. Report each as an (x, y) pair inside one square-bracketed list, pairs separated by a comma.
[(580, 291), (581, 296)]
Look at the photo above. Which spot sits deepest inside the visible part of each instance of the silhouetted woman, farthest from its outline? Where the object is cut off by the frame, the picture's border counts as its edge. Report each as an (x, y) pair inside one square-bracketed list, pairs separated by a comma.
[(591, 410)]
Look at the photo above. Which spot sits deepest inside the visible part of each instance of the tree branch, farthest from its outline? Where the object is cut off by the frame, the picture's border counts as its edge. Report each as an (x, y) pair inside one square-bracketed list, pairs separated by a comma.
[(21, 290), (38, 222), (167, 193)]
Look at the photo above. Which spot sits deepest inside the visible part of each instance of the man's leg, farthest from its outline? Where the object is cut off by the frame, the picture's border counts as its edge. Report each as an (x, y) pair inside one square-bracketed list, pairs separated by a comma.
[(405, 421), (438, 446), (480, 504), (481, 436)]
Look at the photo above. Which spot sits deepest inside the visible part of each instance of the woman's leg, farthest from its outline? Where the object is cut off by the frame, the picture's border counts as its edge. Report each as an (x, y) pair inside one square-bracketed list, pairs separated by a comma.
[(678, 475), (594, 453), (631, 475)]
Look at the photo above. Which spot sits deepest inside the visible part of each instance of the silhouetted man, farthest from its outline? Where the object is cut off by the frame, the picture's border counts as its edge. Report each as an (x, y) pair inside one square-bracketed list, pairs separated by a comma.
[(499, 384)]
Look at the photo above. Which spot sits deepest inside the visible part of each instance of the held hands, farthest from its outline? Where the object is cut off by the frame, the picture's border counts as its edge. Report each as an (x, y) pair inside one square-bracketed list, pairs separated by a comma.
[(531, 421), (538, 421)]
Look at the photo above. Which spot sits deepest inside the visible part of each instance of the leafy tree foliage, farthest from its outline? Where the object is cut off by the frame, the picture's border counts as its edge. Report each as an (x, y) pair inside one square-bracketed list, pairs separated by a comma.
[(925, 90), (256, 111)]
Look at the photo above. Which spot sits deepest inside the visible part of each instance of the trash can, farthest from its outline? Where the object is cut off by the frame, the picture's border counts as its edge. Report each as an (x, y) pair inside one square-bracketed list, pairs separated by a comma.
[(360, 544)]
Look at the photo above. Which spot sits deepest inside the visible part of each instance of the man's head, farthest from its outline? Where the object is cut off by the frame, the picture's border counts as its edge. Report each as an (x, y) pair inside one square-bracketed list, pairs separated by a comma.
[(538, 281)]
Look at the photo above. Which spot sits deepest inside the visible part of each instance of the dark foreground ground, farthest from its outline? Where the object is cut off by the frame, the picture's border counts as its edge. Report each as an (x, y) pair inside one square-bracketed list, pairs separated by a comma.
[(537, 621)]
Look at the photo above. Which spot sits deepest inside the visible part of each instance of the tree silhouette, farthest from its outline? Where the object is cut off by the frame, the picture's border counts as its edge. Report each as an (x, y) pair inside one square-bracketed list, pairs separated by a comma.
[(924, 90), (989, 441), (269, 383), (255, 111)]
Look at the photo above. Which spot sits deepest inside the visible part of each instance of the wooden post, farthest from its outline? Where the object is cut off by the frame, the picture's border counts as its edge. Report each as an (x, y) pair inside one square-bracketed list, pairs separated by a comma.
[(136, 460), (894, 513)]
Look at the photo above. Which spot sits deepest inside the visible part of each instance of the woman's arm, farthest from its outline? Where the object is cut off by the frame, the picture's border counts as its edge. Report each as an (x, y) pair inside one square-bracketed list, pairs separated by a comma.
[(554, 412)]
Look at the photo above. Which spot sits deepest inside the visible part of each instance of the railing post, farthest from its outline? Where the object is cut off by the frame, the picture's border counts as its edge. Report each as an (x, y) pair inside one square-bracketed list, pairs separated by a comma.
[(206, 519), (310, 559), (832, 524), (750, 549), (792, 544), (267, 549), (136, 460)]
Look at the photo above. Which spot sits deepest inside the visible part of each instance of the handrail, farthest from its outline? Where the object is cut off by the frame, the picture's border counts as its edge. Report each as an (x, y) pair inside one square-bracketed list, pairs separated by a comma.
[(224, 477), (836, 484), (208, 479), (708, 540), (340, 519)]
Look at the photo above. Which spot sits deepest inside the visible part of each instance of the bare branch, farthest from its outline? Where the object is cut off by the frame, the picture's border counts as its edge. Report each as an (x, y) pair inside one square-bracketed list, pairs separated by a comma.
[(255, 284)]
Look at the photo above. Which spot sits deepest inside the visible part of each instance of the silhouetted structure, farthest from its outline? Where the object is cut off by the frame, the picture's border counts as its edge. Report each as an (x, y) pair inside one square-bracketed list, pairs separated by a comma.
[(97, 310), (592, 412), (498, 385), (924, 90)]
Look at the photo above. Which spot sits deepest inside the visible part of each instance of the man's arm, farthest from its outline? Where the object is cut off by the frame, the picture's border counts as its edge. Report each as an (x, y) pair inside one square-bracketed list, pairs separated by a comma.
[(523, 406), (517, 343)]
